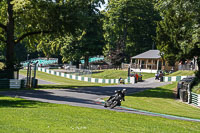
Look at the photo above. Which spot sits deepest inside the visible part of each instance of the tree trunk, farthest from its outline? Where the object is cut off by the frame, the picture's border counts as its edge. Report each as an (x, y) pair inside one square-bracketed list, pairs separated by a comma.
[(86, 64), (10, 41)]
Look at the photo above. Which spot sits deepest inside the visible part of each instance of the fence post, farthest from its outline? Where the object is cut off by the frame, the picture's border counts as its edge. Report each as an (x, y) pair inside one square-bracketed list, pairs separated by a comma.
[(189, 93)]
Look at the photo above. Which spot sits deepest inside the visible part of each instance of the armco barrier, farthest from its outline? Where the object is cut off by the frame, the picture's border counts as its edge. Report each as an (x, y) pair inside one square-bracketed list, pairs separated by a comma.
[(195, 99), (173, 78), (80, 78)]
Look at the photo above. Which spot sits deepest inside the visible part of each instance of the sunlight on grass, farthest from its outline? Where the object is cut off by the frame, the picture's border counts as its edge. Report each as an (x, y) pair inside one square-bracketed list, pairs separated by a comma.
[(21, 116), (65, 82), (161, 100), (116, 74), (182, 73)]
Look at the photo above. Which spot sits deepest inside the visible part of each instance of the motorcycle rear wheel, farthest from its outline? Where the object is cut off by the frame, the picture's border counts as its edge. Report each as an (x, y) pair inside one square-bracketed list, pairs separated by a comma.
[(114, 104)]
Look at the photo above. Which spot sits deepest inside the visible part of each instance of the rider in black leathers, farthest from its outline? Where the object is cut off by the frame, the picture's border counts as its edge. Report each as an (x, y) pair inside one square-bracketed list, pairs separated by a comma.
[(118, 94)]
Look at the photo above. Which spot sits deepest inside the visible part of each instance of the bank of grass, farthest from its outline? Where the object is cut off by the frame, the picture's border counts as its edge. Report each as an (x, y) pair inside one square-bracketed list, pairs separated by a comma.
[(116, 74), (161, 100), (23, 116), (61, 81), (182, 73), (196, 88)]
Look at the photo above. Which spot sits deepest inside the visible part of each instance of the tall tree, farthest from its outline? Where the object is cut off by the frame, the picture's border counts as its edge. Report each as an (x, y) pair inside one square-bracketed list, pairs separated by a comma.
[(30, 20), (86, 42), (130, 23), (178, 34)]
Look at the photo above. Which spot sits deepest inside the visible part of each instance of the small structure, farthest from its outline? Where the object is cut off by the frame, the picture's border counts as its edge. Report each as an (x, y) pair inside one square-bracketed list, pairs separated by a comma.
[(150, 62)]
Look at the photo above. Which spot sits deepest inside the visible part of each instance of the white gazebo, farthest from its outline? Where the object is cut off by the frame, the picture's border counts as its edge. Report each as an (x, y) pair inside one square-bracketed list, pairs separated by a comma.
[(149, 61)]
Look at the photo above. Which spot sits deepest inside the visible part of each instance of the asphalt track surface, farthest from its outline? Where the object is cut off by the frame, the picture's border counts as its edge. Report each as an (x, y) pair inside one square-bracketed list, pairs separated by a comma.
[(40, 81), (91, 97)]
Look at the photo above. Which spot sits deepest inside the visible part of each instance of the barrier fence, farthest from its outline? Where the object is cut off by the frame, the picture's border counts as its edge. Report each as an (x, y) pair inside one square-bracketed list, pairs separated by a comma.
[(86, 79), (195, 99), (173, 78), (11, 83)]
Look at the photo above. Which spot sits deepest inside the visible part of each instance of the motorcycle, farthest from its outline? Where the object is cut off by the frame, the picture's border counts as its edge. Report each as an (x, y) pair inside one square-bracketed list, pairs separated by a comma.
[(116, 99)]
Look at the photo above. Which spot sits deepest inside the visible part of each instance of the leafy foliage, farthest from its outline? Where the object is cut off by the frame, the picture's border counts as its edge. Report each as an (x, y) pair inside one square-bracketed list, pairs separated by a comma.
[(178, 32), (83, 43), (30, 20), (131, 23)]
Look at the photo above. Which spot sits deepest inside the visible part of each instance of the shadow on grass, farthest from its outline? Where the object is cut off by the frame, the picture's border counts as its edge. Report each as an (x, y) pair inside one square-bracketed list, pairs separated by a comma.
[(17, 103), (94, 72), (60, 86)]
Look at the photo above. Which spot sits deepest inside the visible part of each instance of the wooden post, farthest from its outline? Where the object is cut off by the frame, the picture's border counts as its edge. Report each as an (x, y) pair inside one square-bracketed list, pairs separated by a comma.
[(146, 63), (157, 64), (140, 66)]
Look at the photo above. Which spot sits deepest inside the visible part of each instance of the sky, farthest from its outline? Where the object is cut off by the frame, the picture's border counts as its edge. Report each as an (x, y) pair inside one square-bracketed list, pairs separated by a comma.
[(104, 6)]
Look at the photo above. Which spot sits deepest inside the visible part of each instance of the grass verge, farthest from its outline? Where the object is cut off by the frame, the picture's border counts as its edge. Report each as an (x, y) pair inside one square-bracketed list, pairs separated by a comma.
[(63, 82), (161, 100), (182, 73), (116, 74), (196, 88), (22, 116)]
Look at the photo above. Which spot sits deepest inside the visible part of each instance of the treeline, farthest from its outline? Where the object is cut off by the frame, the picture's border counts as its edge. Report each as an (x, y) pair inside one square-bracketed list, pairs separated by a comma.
[(74, 29)]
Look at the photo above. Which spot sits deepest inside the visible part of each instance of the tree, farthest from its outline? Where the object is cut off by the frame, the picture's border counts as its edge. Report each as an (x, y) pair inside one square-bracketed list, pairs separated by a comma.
[(130, 23), (178, 33), (30, 20), (86, 42)]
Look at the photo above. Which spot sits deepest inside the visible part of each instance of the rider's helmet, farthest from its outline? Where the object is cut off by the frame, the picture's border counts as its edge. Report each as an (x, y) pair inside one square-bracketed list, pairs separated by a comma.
[(124, 91)]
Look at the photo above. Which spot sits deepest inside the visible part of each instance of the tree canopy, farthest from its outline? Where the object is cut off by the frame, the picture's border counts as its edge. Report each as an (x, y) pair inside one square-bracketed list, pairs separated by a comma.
[(131, 23), (31, 20), (178, 31)]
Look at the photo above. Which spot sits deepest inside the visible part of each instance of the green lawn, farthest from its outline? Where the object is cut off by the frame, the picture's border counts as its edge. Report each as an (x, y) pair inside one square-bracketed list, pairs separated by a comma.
[(196, 88), (22, 116), (161, 100), (116, 74), (181, 73)]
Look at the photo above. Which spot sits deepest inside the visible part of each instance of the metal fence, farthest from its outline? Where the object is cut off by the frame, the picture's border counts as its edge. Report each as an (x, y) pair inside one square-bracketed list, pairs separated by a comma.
[(69, 69), (186, 67)]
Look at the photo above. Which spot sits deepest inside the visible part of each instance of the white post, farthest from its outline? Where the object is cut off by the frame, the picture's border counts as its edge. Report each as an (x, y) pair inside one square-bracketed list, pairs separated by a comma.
[(157, 64), (146, 63)]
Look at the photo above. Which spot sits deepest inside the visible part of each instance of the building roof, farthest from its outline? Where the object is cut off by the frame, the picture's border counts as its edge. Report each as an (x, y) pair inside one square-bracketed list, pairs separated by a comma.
[(151, 54)]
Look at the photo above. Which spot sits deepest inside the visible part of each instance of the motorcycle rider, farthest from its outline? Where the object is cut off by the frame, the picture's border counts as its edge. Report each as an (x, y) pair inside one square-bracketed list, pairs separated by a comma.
[(118, 93)]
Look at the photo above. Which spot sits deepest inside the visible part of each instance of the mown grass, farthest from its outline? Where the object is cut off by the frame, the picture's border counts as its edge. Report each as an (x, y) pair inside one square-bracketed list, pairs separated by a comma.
[(62, 82), (161, 100), (22, 116), (116, 74), (182, 73), (196, 88)]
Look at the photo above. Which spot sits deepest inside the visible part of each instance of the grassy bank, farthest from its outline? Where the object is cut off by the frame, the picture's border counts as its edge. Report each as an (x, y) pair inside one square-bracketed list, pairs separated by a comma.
[(116, 74), (196, 88), (22, 116), (181, 73), (161, 100), (62, 82)]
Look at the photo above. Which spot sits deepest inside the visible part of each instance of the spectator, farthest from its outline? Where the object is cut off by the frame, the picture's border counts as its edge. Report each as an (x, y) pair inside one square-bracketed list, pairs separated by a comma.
[(136, 76)]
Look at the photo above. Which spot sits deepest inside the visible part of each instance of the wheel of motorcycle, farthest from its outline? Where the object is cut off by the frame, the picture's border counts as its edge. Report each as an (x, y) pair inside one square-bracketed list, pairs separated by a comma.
[(105, 105), (113, 104)]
